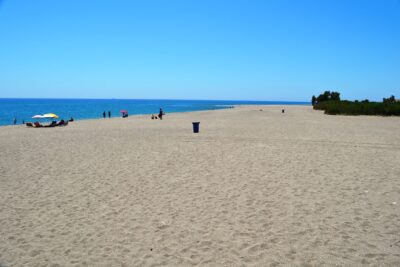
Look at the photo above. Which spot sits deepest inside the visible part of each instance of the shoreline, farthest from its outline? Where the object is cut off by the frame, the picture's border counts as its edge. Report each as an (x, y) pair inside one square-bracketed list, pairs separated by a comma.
[(218, 109), (138, 115), (211, 110), (24, 109)]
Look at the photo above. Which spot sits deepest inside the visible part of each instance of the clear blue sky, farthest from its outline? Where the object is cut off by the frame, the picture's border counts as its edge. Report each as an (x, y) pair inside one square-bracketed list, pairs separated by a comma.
[(203, 49)]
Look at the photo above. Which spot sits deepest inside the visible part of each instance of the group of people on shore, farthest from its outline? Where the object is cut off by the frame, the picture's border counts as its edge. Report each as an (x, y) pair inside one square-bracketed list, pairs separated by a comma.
[(109, 114), (61, 122), (159, 116), (52, 124)]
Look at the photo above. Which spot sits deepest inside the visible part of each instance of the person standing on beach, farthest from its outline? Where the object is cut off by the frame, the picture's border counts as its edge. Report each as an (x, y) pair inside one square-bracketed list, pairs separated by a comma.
[(15, 121), (109, 114), (161, 114), (104, 114)]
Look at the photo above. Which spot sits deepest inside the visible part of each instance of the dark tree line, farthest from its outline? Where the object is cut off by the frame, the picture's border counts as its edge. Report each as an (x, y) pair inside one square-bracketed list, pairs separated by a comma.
[(331, 104), (391, 99), (326, 96)]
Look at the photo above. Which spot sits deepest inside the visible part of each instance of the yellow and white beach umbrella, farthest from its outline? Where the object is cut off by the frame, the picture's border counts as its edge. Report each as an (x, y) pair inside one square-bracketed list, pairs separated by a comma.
[(50, 116)]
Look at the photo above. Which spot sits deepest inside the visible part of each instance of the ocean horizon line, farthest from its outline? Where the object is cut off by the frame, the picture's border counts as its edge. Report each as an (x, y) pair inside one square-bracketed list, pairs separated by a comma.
[(146, 99)]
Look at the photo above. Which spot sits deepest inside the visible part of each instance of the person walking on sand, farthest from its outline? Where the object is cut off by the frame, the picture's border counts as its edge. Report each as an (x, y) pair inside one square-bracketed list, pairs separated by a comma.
[(104, 114), (109, 114), (161, 114)]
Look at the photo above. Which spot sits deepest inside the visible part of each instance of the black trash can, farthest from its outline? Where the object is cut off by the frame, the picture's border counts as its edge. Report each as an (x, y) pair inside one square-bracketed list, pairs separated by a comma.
[(196, 127)]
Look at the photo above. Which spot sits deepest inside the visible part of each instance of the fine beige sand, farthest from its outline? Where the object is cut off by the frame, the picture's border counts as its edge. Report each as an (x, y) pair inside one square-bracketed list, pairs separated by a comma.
[(253, 188)]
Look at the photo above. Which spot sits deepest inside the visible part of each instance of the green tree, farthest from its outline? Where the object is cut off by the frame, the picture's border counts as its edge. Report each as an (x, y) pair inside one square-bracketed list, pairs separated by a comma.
[(313, 100), (327, 96), (335, 96), (391, 99), (324, 97)]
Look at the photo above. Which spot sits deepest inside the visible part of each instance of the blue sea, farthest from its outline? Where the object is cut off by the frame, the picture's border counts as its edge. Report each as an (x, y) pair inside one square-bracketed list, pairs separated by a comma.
[(80, 109)]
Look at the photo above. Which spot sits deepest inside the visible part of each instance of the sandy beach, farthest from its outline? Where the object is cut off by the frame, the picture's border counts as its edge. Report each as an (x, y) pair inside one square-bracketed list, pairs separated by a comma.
[(254, 188)]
